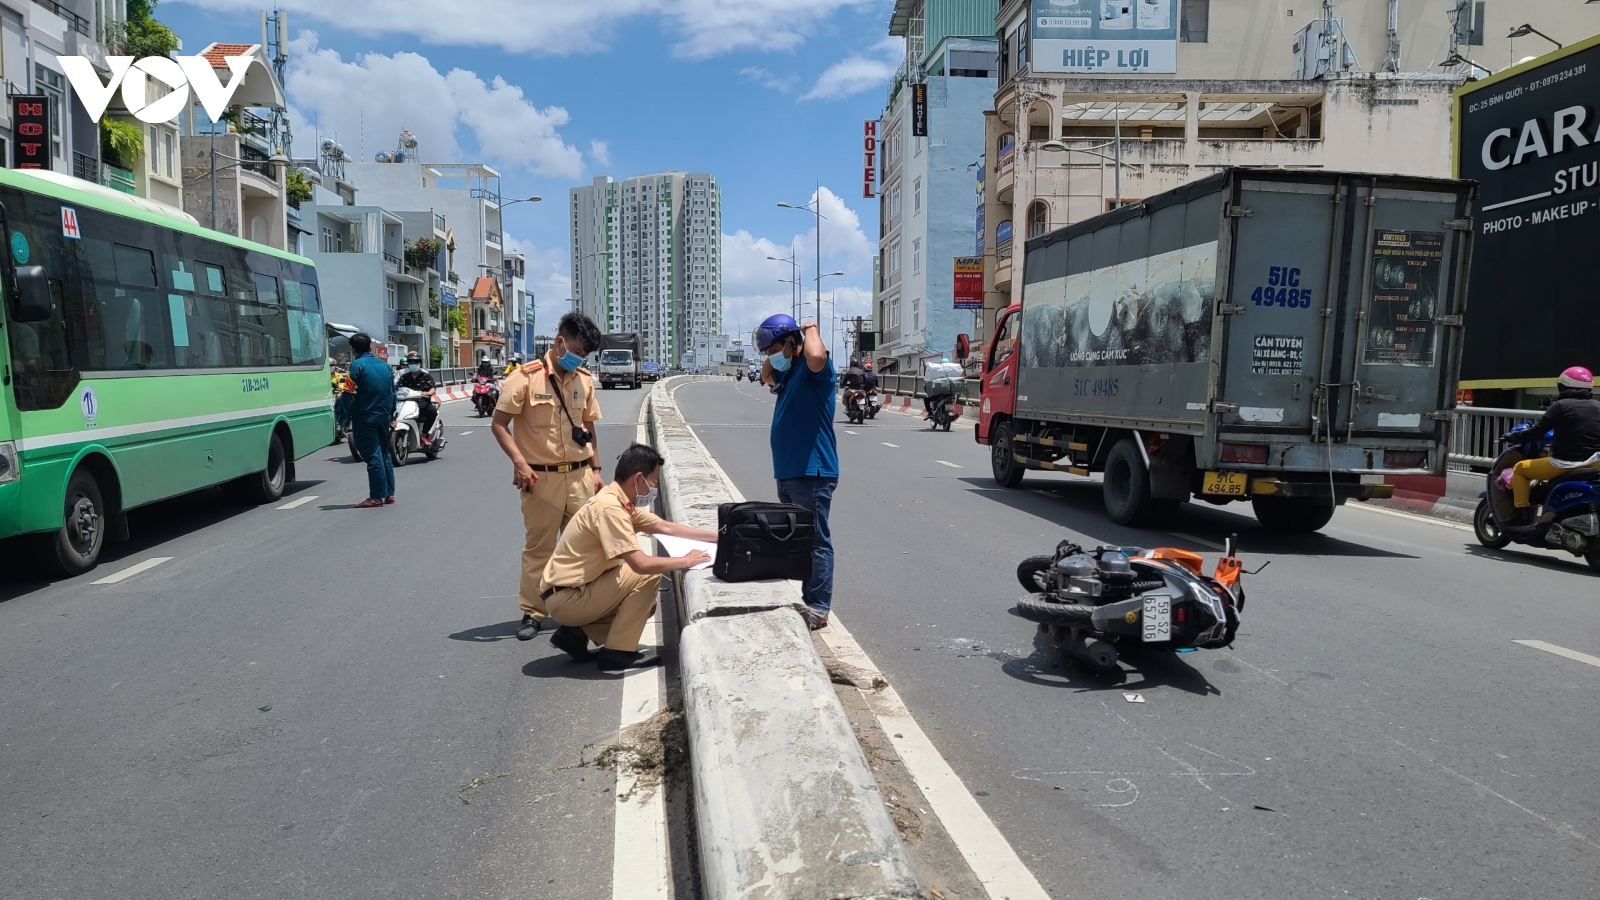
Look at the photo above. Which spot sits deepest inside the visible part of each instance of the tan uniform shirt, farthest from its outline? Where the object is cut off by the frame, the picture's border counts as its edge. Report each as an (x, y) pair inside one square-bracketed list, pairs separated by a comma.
[(540, 429), (597, 538)]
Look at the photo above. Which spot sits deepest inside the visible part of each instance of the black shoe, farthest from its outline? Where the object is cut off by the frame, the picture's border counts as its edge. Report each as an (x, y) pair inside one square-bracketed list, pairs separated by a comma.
[(1522, 517), (530, 627), (573, 642), (615, 662)]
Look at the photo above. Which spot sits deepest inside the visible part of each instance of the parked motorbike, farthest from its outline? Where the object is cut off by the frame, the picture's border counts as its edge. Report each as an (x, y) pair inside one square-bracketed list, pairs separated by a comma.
[(1567, 505), (1093, 602), (408, 431), (485, 394), (855, 405), (943, 413)]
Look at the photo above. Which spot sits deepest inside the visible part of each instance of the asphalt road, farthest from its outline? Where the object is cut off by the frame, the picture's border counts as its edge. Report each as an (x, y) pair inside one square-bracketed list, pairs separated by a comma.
[(1374, 732), (299, 702)]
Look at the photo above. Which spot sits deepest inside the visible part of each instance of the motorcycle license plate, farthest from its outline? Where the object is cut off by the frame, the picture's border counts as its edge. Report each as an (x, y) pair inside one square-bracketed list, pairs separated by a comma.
[(1231, 484), (1157, 619)]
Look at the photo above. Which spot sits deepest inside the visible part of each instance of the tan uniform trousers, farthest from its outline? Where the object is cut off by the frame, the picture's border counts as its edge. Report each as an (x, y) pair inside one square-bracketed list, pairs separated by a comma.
[(546, 509), (612, 610)]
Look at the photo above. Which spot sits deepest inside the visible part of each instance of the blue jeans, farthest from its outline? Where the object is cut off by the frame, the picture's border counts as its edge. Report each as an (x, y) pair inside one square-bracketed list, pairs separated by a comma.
[(378, 450), (815, 494)]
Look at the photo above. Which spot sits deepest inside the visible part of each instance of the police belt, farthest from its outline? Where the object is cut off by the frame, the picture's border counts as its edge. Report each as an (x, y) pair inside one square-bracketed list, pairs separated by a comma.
[(562, 468), (551, 591)]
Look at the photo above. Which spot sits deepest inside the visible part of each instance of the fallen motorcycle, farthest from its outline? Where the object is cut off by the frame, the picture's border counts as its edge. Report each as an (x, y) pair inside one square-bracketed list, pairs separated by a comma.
[(1090, 602)]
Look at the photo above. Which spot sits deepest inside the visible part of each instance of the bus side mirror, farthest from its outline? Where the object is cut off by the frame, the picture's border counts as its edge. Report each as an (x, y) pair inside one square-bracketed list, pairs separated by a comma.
[(33, 294)]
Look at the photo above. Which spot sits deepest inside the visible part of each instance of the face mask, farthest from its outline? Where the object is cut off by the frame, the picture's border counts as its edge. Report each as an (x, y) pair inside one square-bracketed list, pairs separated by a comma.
[(414, 367), (647, 500), (780, 363), (570, 361)]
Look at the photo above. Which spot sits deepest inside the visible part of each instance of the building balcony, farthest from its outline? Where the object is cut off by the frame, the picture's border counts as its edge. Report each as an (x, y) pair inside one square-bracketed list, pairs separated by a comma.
[(1002, 269), (391, 264), (1005, 184), (118, 178), (487, 337), (85, 167), (486, 194), (492, 237), (74, 21), (410, 321)]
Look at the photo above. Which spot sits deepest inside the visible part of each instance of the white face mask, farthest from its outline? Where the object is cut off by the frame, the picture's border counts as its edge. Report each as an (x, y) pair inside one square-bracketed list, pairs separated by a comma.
[(647, 500)]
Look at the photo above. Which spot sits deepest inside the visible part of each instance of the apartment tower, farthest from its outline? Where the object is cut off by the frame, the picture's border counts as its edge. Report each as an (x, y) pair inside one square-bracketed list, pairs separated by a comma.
[(647, 258)]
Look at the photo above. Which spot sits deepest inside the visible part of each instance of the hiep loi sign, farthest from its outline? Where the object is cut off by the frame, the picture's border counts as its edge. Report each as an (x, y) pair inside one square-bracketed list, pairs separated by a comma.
[(182, 74)]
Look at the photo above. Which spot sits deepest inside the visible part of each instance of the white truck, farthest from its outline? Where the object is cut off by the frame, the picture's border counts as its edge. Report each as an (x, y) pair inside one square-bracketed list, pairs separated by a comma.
[(619, 361)]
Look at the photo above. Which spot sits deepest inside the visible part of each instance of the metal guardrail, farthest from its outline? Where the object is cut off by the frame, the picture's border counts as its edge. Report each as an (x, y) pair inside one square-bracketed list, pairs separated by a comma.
[(1475, 432), (912, 386)]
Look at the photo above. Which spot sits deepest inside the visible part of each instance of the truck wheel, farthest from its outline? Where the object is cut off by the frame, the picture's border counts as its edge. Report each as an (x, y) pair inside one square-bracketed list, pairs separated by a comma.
[(1488, 531), (1297, 515), (1126, 488), (1003, 457), (75, 547)]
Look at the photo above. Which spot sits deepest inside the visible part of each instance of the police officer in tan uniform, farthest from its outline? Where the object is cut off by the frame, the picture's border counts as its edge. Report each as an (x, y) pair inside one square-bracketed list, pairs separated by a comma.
[(545, 423), (599, 584)]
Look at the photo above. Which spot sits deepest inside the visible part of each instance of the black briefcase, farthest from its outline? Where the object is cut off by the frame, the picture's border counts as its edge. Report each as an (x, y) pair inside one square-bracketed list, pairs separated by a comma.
[(763, 540)]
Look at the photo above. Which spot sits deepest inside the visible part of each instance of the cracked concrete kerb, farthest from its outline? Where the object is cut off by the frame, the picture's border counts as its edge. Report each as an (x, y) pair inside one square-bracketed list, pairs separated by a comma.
[(785, 804)]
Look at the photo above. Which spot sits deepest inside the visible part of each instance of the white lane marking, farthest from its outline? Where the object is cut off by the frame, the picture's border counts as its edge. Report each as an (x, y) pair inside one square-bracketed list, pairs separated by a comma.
[(301, 502), (1367, 507), (1194, 540), (639, 855), (985, 849), (1561, 651), (848, 431), (133, 570), (887, 444), (463, 433), (950, 464)]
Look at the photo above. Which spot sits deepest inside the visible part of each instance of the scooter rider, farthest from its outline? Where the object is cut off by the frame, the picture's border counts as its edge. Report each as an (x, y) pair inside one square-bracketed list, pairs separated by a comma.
[(415, 377), (870, 378), (1575, 418)]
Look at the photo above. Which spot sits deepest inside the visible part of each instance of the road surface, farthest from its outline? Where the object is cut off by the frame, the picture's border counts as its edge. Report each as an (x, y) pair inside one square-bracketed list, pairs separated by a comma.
[(1375, 731), (307, 700)]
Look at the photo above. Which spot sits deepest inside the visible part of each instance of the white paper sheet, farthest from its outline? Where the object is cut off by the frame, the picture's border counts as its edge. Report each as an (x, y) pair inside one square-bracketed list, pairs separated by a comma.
[(677, 546)]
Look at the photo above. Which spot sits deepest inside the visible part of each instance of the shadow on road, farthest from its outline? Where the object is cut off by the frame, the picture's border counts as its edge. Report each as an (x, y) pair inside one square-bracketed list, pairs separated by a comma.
[(23, 569), (1078, 506), (560, 665), (1050, 666), (488, 634), (1508, 555)]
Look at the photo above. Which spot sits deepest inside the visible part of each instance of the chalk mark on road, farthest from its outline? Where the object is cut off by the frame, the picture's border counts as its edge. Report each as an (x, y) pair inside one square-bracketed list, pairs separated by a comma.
[(950, 464), (887, 444), (300, 502), (133, 570)]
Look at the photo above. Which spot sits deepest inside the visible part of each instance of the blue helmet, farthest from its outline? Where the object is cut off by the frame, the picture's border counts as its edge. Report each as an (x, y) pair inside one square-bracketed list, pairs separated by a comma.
[(772, 330)]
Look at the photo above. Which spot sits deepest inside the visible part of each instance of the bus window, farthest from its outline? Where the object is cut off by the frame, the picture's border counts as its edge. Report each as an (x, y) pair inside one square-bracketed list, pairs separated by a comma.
[(43, 375), (125, 317), (263, 327), (306, 341)]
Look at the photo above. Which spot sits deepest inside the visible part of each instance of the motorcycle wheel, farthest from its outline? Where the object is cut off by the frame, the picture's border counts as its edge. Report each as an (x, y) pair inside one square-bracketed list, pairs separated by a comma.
[(1593, 558), (1029, 570), (947, 423), (1488, 532), (402, 450)]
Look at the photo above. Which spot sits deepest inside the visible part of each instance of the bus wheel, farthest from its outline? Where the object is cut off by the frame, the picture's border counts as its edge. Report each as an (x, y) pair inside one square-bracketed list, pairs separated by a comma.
[(75, 547), (266, 486)]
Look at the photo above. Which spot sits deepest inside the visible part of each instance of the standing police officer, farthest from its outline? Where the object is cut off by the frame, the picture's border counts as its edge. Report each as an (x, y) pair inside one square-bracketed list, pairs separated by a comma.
[(545, 423)]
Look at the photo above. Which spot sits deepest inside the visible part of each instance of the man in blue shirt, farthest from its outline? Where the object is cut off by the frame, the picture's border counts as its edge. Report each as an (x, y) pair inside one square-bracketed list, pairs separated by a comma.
[(370, 413), (805, 454)]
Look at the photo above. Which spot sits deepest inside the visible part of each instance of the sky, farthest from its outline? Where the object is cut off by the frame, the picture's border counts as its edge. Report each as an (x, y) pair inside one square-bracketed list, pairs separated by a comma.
[(767, 95)]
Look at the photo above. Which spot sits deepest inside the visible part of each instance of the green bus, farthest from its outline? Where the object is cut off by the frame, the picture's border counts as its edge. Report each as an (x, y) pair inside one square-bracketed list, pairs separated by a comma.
[(144, 357)]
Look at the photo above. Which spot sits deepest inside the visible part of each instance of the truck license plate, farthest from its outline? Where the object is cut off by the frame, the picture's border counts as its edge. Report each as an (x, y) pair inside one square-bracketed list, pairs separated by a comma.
[(1232, 484), (1157, 618)]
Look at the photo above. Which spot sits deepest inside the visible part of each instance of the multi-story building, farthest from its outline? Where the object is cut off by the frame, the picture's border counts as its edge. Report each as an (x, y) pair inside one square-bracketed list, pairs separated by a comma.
[(647, 258), (926, 203), (230, 180), (463, 202), (1218, 83), (518, 304)]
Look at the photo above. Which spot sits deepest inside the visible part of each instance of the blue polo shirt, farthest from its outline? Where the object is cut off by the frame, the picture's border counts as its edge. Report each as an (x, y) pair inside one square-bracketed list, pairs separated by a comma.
[(374, 397), (803, 443)]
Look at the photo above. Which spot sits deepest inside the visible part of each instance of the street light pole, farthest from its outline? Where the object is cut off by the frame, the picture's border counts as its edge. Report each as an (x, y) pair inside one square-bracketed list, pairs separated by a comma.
[(814, 206)]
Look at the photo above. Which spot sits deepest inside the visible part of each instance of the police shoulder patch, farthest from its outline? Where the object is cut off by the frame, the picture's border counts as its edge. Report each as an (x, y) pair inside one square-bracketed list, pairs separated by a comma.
[(530, 368), (585, 370)]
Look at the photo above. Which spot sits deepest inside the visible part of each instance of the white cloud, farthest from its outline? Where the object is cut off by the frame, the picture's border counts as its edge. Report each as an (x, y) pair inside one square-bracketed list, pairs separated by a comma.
[(858, 72), (751, 287), (703, 28), (377, 96), (550, 280), (600, 152), (782, 84)]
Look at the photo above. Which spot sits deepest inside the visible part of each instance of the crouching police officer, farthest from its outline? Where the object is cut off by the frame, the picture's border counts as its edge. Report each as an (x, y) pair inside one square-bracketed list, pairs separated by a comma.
[(545, 423), (599, 585)]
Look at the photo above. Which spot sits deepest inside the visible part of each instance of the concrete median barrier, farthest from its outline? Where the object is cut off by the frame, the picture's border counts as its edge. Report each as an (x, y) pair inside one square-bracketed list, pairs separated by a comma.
[(786, 807)]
